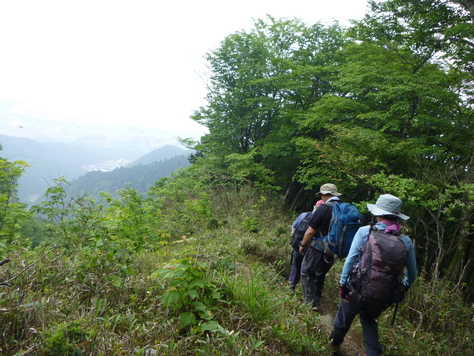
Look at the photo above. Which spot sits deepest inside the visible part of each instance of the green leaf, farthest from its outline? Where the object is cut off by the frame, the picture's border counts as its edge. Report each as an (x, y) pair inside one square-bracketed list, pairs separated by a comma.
[(170, 297), (186, 319), (192, 294), (200, 306), (211, 325)]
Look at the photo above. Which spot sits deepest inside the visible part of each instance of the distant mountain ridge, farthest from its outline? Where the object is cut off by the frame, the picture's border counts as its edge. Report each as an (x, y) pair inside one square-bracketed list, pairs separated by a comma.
[(50, 160), (160, 154), (46, 161), (140, 174), (140, 177)]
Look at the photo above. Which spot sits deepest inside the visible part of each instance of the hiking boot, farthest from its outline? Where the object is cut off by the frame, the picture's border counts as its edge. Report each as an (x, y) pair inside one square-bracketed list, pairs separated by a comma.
[(316, 307), (335, 348)]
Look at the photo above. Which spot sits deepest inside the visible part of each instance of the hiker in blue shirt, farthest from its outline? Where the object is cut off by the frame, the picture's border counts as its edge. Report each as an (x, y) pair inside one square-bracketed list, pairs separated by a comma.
[(297, 257), (387, 211), (315, 264)]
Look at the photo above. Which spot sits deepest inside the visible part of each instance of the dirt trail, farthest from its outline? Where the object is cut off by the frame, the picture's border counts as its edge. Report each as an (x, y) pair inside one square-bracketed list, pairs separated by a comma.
[(353, 341)]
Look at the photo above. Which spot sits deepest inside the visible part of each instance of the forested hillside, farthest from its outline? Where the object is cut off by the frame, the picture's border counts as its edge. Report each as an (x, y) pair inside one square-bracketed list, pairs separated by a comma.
[(198, 265), (160, 154), (139, 177), (47, 161)]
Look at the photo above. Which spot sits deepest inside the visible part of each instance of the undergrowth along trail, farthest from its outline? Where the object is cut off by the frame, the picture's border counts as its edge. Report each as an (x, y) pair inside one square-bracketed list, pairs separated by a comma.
[(210, 281)]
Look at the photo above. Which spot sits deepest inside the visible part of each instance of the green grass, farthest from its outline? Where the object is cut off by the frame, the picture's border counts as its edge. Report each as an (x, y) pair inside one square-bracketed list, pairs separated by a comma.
[(219, 291)]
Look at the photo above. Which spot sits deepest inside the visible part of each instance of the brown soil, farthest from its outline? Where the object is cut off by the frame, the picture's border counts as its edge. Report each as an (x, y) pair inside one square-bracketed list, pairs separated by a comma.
[(353, 341)]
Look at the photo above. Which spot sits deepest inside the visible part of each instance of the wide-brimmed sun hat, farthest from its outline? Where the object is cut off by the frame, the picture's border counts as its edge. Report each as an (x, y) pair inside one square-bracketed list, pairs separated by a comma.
[(329, 188), (387, 204)]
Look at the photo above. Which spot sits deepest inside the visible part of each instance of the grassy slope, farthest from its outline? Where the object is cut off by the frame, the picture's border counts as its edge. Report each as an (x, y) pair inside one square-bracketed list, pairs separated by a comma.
[(219, 291)]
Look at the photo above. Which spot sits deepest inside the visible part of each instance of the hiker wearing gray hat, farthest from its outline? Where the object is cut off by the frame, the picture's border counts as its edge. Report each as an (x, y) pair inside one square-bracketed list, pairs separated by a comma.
[(315, 266), (387, 205), (330, 189), (380, 266)]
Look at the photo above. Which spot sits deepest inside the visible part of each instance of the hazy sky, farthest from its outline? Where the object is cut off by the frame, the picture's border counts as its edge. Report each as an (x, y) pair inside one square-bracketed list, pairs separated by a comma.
[(135, 62)]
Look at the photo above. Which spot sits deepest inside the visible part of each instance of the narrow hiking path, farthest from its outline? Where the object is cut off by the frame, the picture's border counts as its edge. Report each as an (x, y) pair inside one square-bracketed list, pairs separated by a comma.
[(353, 341)]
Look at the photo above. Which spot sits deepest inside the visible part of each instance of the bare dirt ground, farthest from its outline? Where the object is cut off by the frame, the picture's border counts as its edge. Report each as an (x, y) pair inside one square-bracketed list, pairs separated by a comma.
[(353, 341)]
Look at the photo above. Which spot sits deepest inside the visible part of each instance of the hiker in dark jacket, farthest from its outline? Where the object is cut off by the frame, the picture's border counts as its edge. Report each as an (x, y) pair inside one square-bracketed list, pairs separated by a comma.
[(387, 211), (297, 257), (315, 264)]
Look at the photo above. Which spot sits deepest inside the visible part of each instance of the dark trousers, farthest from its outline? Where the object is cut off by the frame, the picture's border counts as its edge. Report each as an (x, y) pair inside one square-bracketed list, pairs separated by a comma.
[(346, 313), (295, 268), (313, 272)]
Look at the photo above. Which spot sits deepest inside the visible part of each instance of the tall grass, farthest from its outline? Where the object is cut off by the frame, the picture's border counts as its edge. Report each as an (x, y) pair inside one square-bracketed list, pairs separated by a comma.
[(217, 288), (253, 289)]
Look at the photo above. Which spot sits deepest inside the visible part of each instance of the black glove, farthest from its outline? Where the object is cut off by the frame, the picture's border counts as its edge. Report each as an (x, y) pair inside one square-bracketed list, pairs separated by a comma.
[(343, 292)]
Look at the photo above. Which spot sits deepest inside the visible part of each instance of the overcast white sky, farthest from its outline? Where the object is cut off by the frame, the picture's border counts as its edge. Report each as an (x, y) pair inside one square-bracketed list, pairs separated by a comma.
[(135, 62)]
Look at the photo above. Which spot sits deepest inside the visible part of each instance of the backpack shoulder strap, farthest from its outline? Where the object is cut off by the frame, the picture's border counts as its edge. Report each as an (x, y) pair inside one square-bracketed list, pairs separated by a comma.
[(333, 202), (363, 247)]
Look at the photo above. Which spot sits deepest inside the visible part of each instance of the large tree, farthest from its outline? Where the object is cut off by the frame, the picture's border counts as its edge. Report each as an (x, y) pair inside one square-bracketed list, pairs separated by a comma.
[(402, 121), (444, 27), (384, 107), (261, 82)]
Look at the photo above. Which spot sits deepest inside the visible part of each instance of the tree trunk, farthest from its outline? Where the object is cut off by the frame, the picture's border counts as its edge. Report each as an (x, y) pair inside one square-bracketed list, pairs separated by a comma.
[(297, 198), (461, 268), (470, 6)]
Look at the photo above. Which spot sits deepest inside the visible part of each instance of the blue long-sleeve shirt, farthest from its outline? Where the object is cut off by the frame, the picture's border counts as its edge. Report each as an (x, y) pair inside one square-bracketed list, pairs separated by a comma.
[(360, 238), (298, 219)]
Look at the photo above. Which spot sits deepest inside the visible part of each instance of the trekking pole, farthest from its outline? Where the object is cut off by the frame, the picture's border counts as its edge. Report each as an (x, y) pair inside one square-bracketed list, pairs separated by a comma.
[(394, 313), (7, 282)]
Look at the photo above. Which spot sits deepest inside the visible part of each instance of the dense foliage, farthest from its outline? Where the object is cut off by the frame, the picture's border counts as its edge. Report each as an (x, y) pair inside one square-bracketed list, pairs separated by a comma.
[(189, 270), (197, 266), (385, 106)]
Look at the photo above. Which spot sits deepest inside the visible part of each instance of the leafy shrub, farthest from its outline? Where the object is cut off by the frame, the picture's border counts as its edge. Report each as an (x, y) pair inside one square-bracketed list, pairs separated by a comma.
[(440, 319), (63, 340), (250, 224), (189, 293)]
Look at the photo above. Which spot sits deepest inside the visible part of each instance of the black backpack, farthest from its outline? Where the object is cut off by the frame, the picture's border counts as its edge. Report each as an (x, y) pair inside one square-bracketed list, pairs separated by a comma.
[(377, 278), (300, 230)]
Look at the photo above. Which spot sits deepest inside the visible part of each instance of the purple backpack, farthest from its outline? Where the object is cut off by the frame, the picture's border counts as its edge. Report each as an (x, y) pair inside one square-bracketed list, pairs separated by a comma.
[(378, 275)]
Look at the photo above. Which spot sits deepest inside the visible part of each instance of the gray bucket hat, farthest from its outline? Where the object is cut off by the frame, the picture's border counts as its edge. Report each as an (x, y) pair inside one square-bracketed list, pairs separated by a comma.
[(387, 204), (329, 188)]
